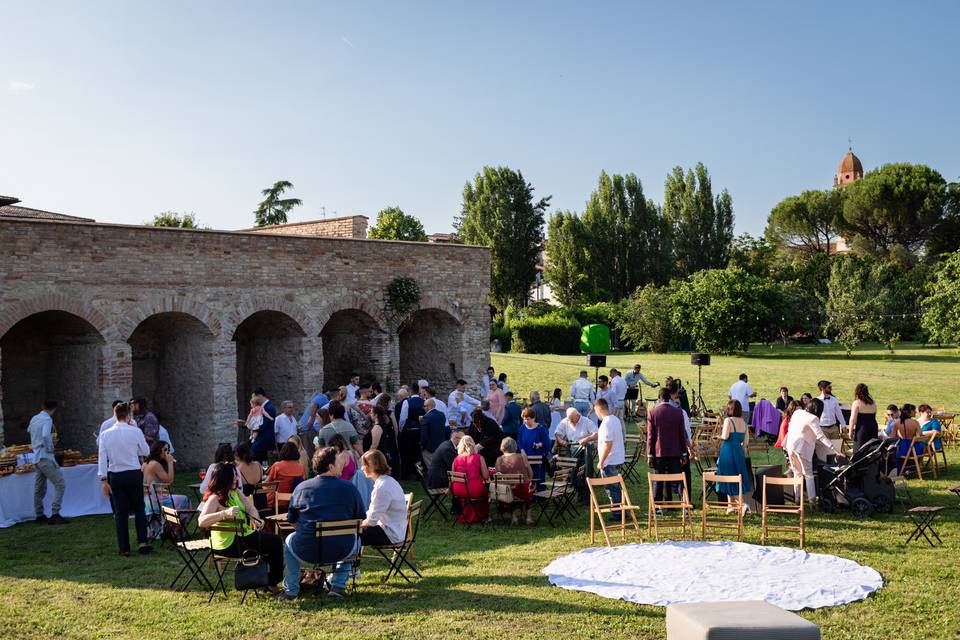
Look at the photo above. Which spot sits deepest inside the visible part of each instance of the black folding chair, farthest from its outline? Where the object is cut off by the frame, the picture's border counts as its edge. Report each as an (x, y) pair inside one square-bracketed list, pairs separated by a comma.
[(188, 549), (554, 499), (437, 497), (630, 470), (221, 561), (399, 553)]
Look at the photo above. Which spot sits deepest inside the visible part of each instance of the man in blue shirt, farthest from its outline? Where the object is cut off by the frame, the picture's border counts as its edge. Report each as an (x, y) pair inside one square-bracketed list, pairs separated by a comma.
[(434, 430), (323, 498), (511, 417), (45, 465)]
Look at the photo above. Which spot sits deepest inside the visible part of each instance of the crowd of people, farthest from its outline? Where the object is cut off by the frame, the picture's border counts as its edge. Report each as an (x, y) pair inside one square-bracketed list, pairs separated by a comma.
[(345, 455)]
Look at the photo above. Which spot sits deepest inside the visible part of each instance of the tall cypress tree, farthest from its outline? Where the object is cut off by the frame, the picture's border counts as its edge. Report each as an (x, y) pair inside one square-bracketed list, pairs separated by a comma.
[(701, 224)]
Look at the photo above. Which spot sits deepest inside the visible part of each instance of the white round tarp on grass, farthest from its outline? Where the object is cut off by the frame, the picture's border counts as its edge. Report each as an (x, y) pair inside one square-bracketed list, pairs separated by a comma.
[(667, 573)]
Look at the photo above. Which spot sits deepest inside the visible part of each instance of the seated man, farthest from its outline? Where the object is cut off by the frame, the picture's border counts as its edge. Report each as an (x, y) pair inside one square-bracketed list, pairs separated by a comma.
[(322, 498), (574, 437), (442, 462)]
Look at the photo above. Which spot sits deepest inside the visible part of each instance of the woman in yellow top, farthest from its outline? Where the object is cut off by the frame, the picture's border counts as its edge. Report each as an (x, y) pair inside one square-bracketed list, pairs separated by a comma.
[(224, 501)]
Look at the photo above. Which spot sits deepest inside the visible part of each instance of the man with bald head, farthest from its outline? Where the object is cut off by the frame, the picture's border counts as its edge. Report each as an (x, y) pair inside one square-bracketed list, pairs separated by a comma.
[(433, 430), (578, 433)]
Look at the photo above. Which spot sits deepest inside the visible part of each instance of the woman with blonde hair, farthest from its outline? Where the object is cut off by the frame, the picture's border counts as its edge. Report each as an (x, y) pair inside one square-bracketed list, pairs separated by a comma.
[(472, 494)]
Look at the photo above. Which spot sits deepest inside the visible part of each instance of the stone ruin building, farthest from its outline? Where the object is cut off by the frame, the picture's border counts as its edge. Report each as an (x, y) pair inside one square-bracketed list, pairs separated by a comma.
[(193, 320)]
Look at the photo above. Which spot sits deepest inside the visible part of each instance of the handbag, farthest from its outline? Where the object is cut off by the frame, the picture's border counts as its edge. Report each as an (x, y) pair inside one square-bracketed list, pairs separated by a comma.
[(251, 572), (504, 493)]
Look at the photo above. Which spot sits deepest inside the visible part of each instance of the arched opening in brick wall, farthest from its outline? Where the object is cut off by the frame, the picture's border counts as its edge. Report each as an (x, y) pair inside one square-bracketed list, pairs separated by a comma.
[(173, 369), (431, 348), (352, 343), (58, 356), (269, 355)]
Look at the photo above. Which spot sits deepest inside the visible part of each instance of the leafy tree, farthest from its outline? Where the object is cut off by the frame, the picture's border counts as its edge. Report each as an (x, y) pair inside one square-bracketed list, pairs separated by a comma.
[(643, 324), (807, 222), (872, 299), (566, 267), (174, 219), (274, 209), (756, 256), (722, 310), (626, 236), (393, 224), (941, 309), (499, 212), (701, 224), (896, 210)]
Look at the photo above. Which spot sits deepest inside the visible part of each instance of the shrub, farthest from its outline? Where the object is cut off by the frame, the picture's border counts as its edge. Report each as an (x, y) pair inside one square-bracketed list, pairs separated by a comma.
[(554, 333), (941, 309), (644, 322), (501, 333)]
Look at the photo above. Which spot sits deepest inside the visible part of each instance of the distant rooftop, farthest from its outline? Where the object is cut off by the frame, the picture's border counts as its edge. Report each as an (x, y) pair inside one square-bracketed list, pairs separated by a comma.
[(9, 209)]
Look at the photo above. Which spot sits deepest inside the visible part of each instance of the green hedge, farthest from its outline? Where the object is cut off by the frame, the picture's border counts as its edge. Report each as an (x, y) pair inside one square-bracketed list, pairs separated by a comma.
[(501, 333), (552, 333)]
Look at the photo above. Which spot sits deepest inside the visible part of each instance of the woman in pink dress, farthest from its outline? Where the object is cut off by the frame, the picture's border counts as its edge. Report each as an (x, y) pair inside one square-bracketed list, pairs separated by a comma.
[(497, 401), (473, 495)]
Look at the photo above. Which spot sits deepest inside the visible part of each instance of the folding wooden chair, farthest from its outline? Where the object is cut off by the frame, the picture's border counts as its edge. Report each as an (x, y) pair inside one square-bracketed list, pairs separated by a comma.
[(656, 509), (457, 477), (599, 511), (930, 453), (437, 497), (221, 562), (553, 499), (278, 518), (577, 479), (914, 458), (402, 552), (260, 493), (330, 529), (797, 509), (721, 507), (500, 484), (629, 469), (188, 549)]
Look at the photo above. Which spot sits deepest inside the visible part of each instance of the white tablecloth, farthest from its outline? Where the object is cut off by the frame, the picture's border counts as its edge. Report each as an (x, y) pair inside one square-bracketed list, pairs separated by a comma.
[(677, 572), (82, 496)]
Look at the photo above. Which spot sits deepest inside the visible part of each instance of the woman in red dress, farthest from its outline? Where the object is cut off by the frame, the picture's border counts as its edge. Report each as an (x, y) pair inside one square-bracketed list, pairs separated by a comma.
[(473, 494), (785, 422)]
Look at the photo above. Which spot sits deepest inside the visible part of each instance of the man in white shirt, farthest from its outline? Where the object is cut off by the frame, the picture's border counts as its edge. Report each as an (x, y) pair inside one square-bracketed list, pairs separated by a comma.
[(612, 452), (487, 381), (351, 390), (109, 422), (120, 449), (583, 394), (832, 417), (165, 437), (428, 393), (742, 392), (606, 393), (45, 464), (578, 433), (461, 388), (619, 388), (285, 425)]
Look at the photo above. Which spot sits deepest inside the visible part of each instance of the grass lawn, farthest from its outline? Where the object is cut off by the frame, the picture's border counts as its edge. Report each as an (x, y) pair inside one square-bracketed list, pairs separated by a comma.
[(486, 582)]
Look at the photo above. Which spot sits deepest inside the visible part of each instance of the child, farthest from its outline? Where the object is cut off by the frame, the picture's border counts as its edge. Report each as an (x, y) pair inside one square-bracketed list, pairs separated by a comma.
[(255, 417)]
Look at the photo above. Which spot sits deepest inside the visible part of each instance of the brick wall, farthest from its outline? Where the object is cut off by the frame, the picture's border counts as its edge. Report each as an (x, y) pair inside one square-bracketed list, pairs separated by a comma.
[(345, 227), (199, 287)]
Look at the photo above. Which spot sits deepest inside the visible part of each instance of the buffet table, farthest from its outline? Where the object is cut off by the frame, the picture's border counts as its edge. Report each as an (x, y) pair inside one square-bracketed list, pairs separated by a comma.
[(82, 496)]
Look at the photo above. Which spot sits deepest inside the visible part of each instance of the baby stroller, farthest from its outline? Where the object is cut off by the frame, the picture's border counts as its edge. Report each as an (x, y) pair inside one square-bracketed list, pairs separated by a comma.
[(863, 485)]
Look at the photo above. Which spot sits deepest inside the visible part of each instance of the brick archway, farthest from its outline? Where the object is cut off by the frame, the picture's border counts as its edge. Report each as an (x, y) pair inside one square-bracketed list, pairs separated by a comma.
[(431, 347), (170, 304), (14, 313)]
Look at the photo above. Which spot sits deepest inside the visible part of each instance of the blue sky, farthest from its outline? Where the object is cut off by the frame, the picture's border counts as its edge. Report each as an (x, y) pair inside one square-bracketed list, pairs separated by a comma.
[(120, 110)]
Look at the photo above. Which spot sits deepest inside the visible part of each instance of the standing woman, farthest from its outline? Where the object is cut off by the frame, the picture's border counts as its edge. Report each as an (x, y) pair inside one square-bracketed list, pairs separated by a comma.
[(732, 460), (863, 417), (497, 401), (159, 469), (383, 437), (534, 440)]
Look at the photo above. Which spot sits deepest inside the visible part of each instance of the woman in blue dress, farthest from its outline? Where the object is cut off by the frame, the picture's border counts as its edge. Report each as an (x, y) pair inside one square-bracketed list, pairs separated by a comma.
[(732, 460), (534, 440)]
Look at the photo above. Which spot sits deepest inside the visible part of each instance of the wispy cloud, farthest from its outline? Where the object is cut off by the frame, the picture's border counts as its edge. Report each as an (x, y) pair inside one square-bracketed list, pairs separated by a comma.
[(18, 86), (347, 41)]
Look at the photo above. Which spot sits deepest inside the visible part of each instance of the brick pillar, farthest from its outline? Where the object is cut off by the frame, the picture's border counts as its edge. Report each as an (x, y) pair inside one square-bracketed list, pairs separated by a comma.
[(116, 375), (2, 435), (391, 361), (224, 426), (312, 368)]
